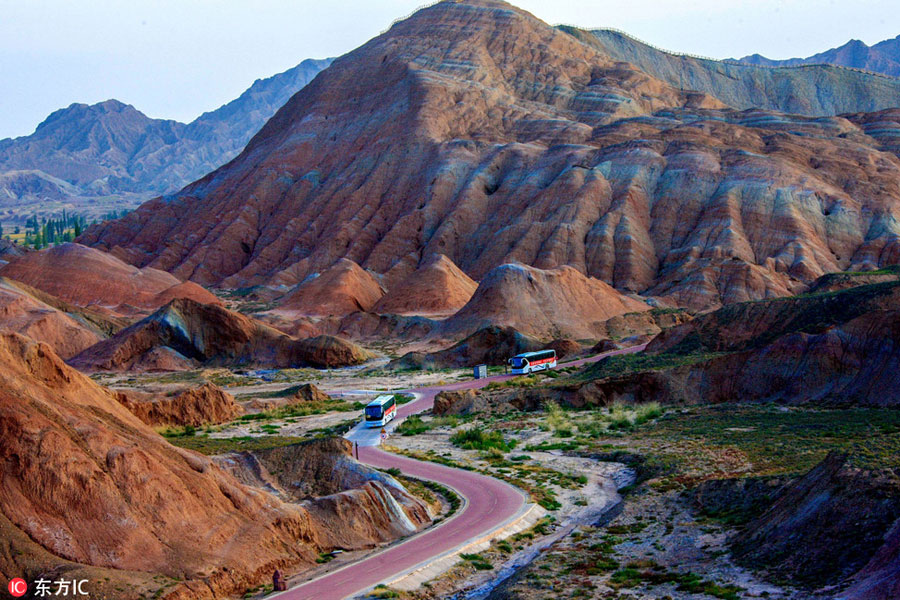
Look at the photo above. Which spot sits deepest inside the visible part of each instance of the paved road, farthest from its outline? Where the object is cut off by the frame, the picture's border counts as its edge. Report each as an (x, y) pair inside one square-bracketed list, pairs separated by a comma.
[(489, 503)]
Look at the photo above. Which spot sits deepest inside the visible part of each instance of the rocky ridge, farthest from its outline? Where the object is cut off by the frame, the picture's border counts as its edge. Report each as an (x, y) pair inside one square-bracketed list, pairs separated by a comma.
[(207, 404), (185, 334)]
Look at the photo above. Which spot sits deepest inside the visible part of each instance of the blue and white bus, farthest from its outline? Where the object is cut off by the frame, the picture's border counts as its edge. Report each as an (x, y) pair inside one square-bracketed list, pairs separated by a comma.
[(380, 411), (529, 362)]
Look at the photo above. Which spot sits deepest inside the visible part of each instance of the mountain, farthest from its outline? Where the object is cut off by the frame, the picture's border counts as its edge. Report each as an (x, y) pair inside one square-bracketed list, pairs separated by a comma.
[(111, 149), (816, 89), (476, 131), (883, 57)]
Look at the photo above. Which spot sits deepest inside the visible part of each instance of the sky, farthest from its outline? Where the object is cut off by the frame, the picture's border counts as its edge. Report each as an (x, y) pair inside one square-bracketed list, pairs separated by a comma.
[(176, 59)]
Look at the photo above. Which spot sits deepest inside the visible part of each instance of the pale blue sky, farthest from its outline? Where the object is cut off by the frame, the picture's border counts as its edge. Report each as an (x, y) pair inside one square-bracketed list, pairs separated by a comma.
[(178, 58)]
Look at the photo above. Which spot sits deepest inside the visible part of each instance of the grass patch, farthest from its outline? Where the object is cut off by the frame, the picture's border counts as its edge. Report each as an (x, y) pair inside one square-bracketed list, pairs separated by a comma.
[(524, 381), (304, 409), (478, 439), (690, 445), (412, 425), (624, 364), (211, 446)]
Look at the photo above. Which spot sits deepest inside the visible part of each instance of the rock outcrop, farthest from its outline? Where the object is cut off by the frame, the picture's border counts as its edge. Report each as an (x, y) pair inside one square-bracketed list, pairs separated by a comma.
[(668, 192), (87, 277), (207, 404), (305, 393), (460, 402), (835, 282), (644, 323), (10, 250), (491, 345), (341, 289), (540, 303), (185, 334), (436, 288), (826, 527), (834, 349), (352, 503)]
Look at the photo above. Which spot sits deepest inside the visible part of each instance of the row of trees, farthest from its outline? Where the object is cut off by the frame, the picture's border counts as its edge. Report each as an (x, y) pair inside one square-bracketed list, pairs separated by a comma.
[(42, 232)]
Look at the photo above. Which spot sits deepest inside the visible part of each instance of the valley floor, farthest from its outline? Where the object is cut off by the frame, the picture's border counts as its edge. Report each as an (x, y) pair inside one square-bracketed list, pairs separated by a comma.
[(664, 541)]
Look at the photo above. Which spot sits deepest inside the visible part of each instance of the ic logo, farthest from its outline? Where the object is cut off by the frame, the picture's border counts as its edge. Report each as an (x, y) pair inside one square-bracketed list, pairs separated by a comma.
[(17, 587)]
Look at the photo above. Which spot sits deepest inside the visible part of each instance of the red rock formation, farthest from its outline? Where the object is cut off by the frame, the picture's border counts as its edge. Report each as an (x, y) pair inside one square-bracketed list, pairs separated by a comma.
[(84, 276), (565, 348), (204, 405), (85, 482), (437, 288), (542, 303), (184, 334), (341, 289), (476, 131), (25, 314)]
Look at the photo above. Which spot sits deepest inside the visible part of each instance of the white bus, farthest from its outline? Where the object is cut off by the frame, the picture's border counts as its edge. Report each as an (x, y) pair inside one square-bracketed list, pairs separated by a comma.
[(380, 411), (533, 361)]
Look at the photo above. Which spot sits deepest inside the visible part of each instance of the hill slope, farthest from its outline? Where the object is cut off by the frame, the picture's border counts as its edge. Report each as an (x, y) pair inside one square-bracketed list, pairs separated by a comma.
[(815, 90)]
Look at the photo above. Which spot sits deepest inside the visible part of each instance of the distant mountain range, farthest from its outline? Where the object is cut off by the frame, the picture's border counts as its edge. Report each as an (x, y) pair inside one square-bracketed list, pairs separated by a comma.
[(110, 155), (883, 57)]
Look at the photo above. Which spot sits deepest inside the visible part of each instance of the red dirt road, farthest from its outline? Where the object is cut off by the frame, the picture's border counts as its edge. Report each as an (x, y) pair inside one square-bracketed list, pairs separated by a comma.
[(489, 503)]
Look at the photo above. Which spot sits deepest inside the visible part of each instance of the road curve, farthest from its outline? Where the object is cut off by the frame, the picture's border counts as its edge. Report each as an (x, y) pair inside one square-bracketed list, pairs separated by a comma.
[(489, 503)]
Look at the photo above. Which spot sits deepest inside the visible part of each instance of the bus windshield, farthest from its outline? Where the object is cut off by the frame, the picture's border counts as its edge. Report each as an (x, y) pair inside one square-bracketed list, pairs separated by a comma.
[(517, 362), (374, 413)]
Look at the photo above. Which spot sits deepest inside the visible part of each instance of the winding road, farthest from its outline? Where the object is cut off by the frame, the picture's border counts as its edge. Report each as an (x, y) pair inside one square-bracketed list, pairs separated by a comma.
[(488, 504)]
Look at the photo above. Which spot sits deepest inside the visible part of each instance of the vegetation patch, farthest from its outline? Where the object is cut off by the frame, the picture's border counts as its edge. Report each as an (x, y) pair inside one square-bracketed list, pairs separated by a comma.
[(212, 446), (626, 364), (478, 439), (304, 409)]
